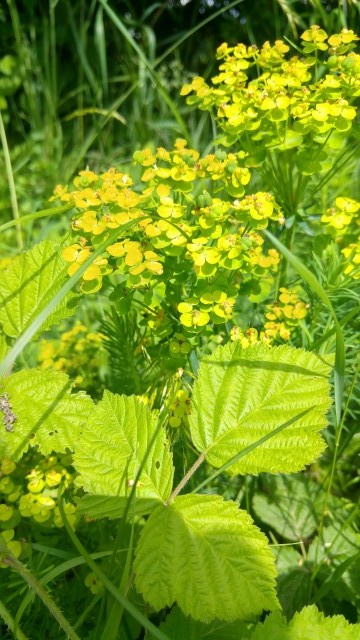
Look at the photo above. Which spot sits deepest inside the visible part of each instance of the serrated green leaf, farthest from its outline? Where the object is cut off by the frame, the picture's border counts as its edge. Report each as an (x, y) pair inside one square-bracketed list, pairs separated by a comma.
[(242, 395), (27, 286), (292, 506), (47, 414), (119, 435), (306, 625), (179, 627), (209, 557)]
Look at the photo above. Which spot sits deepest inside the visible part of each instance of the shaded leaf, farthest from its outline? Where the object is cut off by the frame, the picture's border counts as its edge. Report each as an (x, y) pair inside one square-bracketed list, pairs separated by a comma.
[(294, 580), (292, 508), (178, 627)]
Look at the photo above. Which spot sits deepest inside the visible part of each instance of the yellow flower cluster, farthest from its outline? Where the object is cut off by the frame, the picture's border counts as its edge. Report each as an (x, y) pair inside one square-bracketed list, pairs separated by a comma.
[(249, 337), (339, 218), (284, 315), (79, 353), (193, 218), (179, 408), (344, 222), (278, 102), (29, 489)]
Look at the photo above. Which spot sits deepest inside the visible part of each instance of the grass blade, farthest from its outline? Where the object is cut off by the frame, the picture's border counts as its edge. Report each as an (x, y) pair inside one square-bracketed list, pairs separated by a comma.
[(251, 447), (54, 211), (11, 183), (142, 57), (29, 333), (316, 287), (130, 608)]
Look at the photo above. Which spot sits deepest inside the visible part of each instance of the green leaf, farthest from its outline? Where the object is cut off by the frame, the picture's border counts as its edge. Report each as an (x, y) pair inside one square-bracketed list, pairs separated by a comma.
[(291, 506), (339, 558), (179, 627), (29, 283), (118, 437), (294, 582), (242, 395), (209, 557), (306, 625), (111, 507), (47, 414)]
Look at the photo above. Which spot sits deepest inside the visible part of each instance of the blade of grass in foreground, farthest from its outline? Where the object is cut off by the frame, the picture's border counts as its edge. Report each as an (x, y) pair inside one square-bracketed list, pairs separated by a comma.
[(247, 450), (316, 287), (32, 329), (54, 211), (130, 608)]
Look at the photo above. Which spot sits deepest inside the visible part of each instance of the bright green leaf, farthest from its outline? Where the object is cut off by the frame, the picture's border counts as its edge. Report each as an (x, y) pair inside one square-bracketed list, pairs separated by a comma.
[(120, 434), (28, 284), (209, 557), (306, 625), (242, 395), (47, 414)]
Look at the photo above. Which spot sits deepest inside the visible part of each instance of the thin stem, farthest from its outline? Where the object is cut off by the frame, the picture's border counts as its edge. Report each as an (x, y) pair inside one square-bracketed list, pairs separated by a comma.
[(11, 183), (336, 457), (186, 477), (130, 608), (10, 622), (41, 592)]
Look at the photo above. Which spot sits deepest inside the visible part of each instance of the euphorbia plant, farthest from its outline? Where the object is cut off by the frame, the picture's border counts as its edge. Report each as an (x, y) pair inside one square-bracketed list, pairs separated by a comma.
[(182, 244)]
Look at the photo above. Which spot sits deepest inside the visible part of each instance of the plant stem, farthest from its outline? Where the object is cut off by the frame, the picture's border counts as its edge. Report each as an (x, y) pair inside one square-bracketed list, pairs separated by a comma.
[(10, 623), (42, 593), (186, 477), (11, 183)]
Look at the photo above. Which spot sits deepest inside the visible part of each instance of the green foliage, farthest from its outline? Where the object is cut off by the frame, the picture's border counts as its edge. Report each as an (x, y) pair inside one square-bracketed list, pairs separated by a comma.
[(306, 625), (242, 395), (231, 574), (120, 440), (47, 414), (189, 304), (292, 506), (177, 627), (30, 282)]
